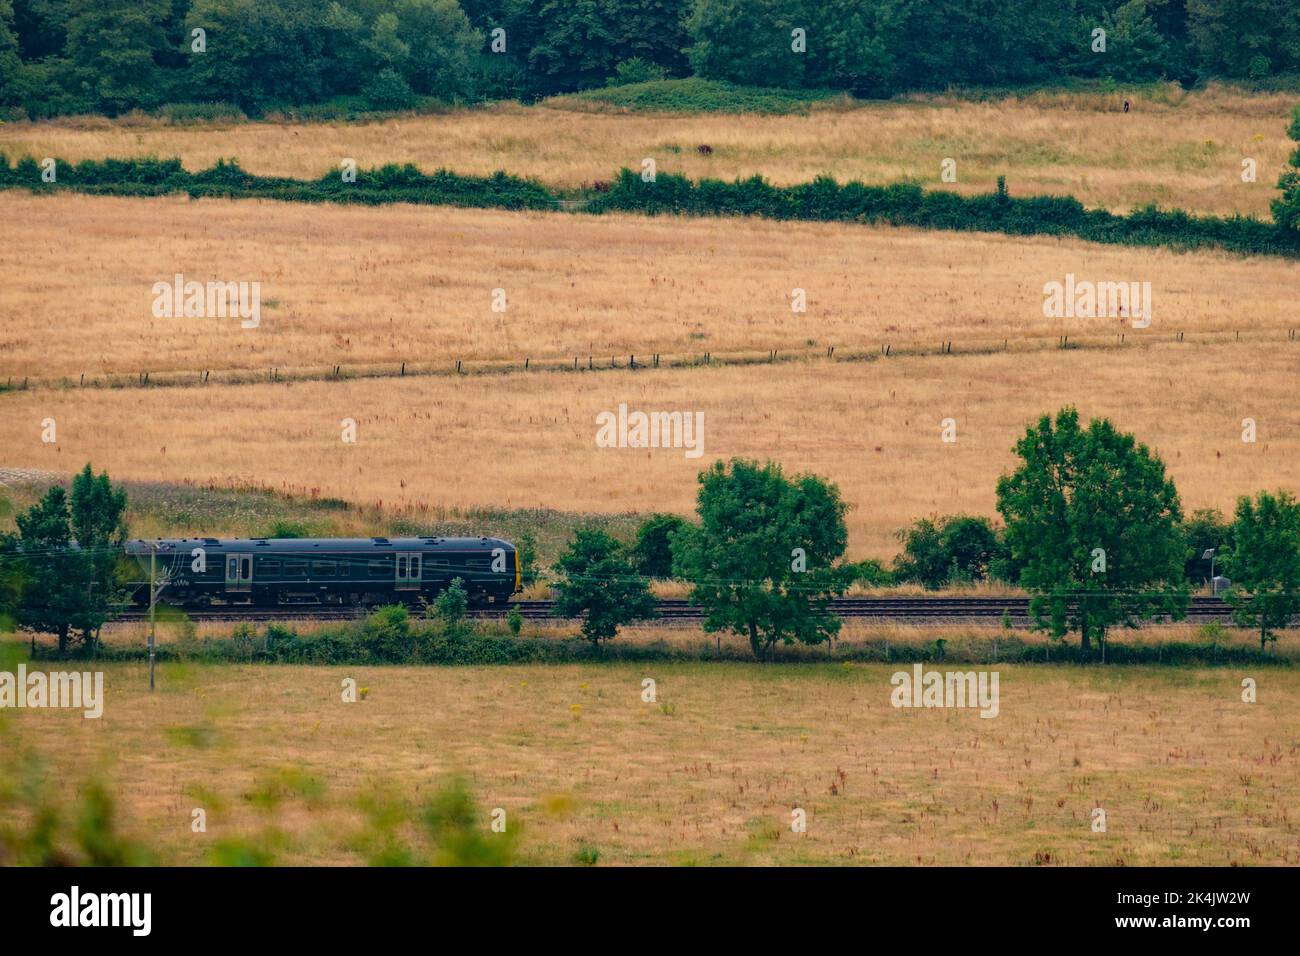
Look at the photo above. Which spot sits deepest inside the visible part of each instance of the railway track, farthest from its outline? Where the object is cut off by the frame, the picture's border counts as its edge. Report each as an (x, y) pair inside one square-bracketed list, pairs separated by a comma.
[(920, 611)]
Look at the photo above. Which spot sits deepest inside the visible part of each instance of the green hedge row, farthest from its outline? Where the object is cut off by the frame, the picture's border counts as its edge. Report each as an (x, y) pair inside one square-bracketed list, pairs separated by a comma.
[(822, 200), (907, 204), (391, 183), (695, 95), (390, 636)]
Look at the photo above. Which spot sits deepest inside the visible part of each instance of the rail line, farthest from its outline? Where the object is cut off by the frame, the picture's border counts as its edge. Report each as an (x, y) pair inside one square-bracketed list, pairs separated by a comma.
[(918, 611)]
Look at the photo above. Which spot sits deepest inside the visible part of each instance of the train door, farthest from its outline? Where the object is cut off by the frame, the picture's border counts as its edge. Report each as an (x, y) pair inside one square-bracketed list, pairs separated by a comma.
[(408, 570), (239, 573)]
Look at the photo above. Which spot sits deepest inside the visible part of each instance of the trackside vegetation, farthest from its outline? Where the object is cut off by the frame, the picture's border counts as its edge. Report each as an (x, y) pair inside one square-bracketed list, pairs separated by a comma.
[(1092, 527)]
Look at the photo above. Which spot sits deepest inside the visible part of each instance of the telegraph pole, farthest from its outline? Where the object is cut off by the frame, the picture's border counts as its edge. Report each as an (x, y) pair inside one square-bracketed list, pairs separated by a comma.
[(153, 603)]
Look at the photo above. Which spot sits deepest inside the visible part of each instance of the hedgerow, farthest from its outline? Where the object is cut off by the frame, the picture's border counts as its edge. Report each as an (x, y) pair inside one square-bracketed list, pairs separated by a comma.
[(907, 204), (392, 636), (822, 200), (386, 184), (695, 95)]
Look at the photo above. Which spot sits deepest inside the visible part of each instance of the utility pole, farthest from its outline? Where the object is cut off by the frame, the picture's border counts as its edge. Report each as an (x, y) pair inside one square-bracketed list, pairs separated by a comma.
[(153, 603)]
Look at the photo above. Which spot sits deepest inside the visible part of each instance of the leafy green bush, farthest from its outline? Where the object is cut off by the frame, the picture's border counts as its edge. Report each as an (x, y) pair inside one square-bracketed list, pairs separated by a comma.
[(388, 90), (694, 95), (386, 635), (636, 70), (451, 606), (949, 550), (652, 551)]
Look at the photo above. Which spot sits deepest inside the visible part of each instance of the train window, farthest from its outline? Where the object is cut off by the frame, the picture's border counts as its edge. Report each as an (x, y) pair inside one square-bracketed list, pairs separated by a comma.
[(438, 563), (323, 569), (477, 563), (379, 569), (268, 567), (401, 565), (295, 569)]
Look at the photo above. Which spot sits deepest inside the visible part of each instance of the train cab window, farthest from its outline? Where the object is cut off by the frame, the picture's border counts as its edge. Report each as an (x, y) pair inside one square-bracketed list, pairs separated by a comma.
[(295, 569), (379, 569), (323, 569)]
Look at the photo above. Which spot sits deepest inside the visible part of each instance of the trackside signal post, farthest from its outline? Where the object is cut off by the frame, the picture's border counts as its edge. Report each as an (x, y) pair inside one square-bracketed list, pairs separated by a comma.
[(153, 603)]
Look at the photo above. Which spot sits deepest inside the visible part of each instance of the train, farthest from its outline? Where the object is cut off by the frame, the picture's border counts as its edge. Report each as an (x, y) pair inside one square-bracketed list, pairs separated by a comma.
[(270, 572)]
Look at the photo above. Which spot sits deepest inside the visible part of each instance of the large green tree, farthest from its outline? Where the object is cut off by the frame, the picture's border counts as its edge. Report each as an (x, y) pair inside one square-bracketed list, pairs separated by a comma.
[(98, 523), (55, 599), (11, 64), (440, 47), (748, 41), (67, 550), (1094, 523), (1264, 563), (111, 50), (1286, 209), (259, 54), (599, 583), (1237, 37), (765, 560)]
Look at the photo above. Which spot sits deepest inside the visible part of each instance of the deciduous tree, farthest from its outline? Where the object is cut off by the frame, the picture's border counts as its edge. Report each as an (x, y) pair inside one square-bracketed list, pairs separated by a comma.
[(765, 560), (1093, 521)]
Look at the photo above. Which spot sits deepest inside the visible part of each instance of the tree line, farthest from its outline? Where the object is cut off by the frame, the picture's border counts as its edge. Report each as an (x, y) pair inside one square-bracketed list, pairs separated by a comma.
[(111, 56), (1092, 527)]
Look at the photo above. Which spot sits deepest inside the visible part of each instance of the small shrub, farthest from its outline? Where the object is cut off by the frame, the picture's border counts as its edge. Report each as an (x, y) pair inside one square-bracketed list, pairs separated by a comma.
[(451, 605), (386, 634), (389, 91), (636, 70)]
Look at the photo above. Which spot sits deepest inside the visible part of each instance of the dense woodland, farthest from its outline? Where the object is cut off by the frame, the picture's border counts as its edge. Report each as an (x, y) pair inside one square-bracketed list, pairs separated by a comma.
[(110, 56)]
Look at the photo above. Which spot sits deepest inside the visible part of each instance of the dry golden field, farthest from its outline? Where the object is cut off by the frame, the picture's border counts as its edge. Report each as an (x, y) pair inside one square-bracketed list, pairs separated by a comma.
[(528, 439), (1174, 148), (358, 286), (1186, 772)]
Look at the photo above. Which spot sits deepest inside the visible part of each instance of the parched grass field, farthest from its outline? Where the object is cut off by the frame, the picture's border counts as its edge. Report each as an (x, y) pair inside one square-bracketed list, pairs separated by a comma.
[(709, 774), (1174, 148), (363, 286), (529, 440)]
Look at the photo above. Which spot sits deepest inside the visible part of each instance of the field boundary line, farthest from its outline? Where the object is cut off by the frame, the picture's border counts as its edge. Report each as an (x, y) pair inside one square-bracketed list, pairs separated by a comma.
[(632, 362)]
